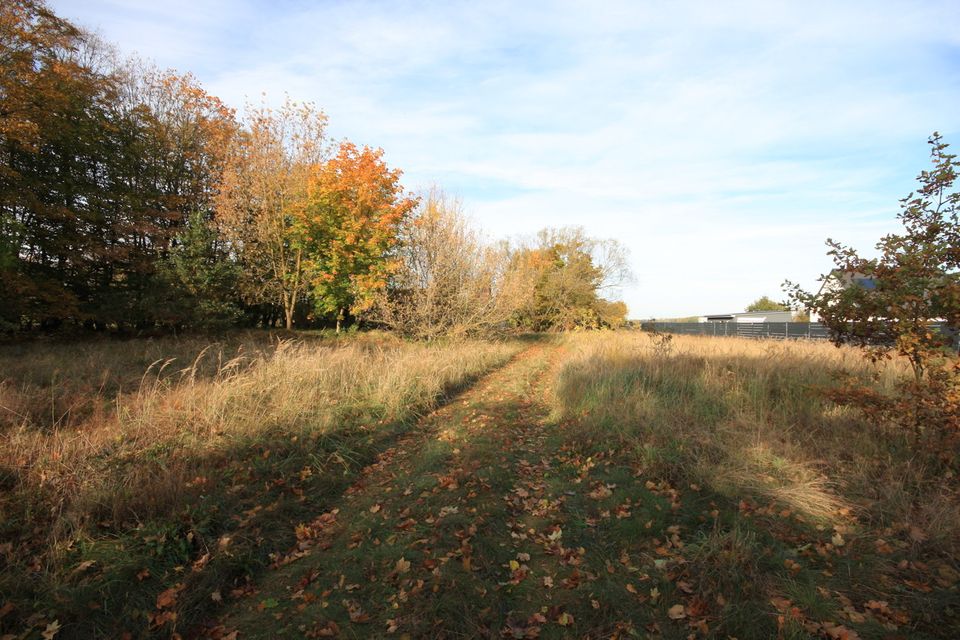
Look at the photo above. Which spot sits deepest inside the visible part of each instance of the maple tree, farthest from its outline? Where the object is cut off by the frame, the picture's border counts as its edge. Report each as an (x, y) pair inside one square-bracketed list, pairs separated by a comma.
[(349, 225)]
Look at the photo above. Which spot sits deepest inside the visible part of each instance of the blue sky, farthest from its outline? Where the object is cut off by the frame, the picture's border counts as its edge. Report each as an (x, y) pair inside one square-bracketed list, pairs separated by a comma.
[(722, 143)]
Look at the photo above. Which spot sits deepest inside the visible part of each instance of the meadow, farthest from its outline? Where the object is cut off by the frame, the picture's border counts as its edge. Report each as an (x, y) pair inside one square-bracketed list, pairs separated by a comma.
[(594, 484)]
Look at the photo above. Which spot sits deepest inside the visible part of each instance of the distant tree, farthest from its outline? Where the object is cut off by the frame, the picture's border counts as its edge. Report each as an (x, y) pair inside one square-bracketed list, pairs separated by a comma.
[(611, 314), (766, 304), (261, 200), (916, 279), (570, 272), (350, 225)]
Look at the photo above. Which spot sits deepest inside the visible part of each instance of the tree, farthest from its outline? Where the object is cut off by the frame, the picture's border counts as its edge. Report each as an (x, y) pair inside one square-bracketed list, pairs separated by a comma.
[(569, 270), (100, 165), (915, 280), (766, 304), (199, 268), (262, 196), (350, 225), (50, 103), (448, 282)]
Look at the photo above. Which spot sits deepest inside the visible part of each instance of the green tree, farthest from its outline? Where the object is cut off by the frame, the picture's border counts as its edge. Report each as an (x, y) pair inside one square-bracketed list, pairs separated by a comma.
[(200, 270), (764, 303)]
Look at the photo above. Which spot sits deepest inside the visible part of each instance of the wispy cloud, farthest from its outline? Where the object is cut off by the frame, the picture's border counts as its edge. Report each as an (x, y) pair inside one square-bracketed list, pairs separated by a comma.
[(721, 144)]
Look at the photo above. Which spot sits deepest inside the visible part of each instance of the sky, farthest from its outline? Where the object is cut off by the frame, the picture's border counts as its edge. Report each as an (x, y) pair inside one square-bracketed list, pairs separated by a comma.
[(721, 143)]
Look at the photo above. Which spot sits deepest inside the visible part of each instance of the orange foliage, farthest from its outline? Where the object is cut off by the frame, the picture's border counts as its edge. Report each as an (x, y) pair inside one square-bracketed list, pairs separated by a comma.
[(355, 206)]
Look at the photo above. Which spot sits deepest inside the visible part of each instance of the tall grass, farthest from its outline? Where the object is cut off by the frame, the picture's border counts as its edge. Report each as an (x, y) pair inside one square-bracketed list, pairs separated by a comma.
[(117, 436), (745, 418)]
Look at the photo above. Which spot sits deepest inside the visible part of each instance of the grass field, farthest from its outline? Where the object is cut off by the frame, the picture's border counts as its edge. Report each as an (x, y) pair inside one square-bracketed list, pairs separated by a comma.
[(591, 485)]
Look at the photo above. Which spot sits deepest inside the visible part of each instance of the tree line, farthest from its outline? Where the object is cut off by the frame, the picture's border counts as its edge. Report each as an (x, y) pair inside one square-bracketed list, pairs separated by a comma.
[(133, 200)]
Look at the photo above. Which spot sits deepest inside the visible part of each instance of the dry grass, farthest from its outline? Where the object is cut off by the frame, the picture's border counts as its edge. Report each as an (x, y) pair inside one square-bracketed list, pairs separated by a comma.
[(218, 396), (744, 418), (120, 435)]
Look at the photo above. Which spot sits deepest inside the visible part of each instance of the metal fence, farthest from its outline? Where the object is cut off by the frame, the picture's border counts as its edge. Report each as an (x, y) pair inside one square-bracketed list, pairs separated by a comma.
[(773, 330)]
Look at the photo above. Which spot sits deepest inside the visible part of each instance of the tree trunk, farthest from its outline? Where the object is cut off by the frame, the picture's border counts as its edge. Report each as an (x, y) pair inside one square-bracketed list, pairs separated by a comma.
[(339, 319)]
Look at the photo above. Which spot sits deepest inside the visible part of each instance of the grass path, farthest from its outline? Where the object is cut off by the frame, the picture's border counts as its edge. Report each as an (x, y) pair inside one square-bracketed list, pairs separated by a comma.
[(492, 518), (481, 523), (416, 544)]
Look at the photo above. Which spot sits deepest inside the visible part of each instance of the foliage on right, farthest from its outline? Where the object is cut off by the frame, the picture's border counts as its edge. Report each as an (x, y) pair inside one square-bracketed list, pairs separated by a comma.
[(885, 305)]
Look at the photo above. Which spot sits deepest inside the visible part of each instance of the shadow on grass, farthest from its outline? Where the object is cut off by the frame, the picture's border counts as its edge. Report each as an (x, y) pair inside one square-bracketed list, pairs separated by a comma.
[(787, 488), (234, 509)]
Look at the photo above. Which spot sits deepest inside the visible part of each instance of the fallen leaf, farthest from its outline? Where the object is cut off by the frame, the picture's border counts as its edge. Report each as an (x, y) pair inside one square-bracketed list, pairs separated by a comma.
[(52, 629), (677, 612), (168, 598)]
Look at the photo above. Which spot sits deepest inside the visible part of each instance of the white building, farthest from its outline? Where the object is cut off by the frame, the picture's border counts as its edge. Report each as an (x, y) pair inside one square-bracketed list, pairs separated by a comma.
[(750, 316)]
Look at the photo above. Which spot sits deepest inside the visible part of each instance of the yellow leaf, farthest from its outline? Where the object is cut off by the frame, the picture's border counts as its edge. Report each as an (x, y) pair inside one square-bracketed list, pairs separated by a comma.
[(677, 612), (52, 629)]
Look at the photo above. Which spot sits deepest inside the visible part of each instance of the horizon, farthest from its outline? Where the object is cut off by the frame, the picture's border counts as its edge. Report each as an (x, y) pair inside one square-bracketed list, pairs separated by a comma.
[(721, 148)]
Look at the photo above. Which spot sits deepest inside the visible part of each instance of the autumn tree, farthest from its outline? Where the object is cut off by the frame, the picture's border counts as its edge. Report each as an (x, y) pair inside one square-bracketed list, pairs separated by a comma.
[(261, 200), (350, 225), (573, 273), (449, 282), (914, 281), (171, 141), (49, 104), (100, 165)]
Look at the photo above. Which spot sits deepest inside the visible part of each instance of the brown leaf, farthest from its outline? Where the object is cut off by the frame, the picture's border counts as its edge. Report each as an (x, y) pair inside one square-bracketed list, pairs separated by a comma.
[(677, 612), (168, 598)]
